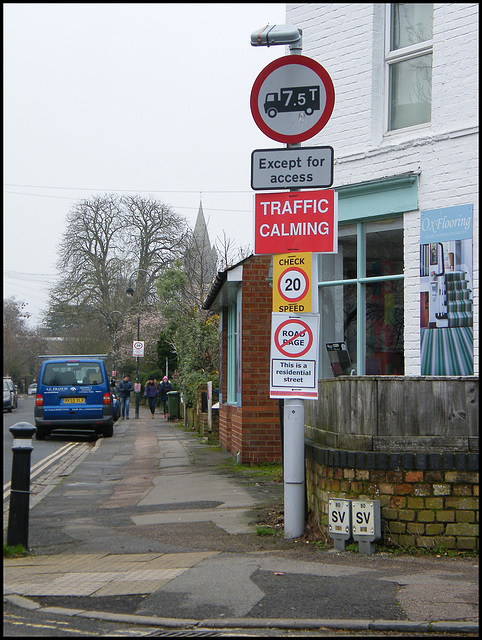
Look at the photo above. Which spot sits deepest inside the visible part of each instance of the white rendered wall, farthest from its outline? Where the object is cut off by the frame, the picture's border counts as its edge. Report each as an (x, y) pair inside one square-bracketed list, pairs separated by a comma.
[(348, 39)]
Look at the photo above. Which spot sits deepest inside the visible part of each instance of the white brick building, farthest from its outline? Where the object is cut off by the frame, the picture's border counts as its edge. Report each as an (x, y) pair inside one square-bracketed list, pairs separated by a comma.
[(404, 144)]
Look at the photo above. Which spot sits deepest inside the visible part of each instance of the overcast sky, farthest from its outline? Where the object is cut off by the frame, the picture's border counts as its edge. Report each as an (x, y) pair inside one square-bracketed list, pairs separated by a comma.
[(128, 98)]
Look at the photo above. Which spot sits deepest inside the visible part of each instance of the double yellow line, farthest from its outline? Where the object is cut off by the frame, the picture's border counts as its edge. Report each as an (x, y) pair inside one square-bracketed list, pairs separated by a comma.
[(43, 464)]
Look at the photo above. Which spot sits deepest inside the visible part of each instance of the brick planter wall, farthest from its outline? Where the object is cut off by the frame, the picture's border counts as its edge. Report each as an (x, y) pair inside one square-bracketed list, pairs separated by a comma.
[(426, 499)]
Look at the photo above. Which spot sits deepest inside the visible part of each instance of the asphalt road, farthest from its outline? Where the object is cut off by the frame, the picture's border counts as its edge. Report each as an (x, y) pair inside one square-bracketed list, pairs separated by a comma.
[(45, 453)]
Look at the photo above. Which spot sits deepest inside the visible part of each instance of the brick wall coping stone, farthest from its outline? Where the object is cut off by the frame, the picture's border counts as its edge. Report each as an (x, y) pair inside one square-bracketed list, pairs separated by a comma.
[(464, 461)]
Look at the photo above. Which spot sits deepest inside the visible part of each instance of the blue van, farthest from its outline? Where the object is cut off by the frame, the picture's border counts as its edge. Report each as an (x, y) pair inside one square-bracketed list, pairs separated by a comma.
[(74, 395)]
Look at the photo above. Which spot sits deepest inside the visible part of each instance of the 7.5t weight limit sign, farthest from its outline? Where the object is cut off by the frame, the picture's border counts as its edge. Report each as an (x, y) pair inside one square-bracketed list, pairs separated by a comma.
[(292, 99)]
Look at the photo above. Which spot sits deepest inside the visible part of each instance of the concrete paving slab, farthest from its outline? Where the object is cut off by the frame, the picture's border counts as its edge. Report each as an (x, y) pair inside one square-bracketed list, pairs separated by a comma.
[(230, 520)]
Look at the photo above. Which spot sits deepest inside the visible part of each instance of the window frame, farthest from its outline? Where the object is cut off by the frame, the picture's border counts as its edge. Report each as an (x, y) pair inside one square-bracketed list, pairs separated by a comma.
[(395, 56), (361, 281)]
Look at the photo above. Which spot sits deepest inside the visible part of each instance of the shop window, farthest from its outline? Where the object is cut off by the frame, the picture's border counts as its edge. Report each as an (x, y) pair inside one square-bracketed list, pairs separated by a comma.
[(408, 61), (361, 298)]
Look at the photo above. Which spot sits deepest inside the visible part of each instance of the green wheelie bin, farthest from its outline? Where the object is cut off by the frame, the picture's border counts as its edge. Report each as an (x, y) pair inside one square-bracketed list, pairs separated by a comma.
[(173, 405)]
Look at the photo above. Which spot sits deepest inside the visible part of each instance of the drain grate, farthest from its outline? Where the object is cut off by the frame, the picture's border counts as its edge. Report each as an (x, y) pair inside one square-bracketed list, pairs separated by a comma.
[(185, 633)]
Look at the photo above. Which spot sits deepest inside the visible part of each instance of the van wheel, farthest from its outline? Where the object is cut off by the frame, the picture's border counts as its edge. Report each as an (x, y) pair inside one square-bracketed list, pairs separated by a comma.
[(108, 431), (40, 434)]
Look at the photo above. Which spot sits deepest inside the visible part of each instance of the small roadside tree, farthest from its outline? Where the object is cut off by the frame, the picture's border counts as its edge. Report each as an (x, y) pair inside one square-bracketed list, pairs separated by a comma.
[(21, 346), (191, 331)]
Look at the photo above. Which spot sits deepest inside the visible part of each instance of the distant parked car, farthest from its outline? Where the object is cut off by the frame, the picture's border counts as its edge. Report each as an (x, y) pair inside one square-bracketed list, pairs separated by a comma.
[(116, 406), (32, 390), (12, 388), (7, 397)]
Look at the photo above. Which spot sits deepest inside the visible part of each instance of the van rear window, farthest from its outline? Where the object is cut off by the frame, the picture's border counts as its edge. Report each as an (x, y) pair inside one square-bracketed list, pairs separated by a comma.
[(79, 373)]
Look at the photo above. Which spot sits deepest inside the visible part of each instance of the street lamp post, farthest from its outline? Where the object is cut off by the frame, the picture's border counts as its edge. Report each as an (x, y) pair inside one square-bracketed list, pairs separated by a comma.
[(115, 327), (130, 292)]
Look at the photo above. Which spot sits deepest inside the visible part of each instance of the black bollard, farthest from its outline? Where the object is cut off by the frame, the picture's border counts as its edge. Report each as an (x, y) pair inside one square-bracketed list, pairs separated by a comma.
[(17, 532)]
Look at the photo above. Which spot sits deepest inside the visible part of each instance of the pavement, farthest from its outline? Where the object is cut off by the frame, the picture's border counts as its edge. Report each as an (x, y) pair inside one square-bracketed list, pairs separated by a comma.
[(154, 526)]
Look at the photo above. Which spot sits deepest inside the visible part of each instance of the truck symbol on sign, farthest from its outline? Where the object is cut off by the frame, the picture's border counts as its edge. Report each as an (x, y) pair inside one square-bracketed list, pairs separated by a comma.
[(305, 99)]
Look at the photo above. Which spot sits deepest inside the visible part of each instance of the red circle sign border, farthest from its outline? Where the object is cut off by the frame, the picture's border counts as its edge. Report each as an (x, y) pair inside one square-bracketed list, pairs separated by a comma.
[(290, 355), (307, 283), (320, 71)]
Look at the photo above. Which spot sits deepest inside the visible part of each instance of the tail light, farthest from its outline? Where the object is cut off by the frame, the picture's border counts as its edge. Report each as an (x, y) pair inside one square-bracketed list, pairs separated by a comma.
[(39, 400), (106, 399)]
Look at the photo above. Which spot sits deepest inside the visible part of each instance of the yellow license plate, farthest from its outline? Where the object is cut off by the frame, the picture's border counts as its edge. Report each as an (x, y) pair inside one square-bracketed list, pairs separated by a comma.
[(74, 400)]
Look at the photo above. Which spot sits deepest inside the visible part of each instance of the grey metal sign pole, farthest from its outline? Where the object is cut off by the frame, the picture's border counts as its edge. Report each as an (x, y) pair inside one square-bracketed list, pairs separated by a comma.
[(294, 409), (294, 439)]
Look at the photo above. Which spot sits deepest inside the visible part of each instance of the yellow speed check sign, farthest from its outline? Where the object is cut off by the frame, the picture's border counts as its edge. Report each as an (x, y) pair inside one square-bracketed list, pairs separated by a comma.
[(292, 283)]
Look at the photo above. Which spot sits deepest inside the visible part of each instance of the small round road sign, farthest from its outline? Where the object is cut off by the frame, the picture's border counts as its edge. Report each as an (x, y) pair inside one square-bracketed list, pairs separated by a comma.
[(292, 99), (293, 338), (293, 284)]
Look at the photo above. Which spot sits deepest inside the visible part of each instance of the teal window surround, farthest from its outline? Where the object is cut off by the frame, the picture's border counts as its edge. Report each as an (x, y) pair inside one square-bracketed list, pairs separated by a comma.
[(375, 198), (365, 202), (231, 391)]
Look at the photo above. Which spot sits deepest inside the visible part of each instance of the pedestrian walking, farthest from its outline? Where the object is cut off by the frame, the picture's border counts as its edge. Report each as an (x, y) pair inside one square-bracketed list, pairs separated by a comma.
[(125, 387), (158, 401), (164, 388), (151, 392)]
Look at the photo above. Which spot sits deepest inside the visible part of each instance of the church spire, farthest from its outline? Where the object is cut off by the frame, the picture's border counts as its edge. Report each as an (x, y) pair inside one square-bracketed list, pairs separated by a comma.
[(201, 257)]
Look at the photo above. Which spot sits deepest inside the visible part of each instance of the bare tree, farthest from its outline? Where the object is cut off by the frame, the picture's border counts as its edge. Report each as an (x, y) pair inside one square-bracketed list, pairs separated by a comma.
[(87, 338), (154, 236), (113, 242), (90, 255), (228, 253), (107, 238)]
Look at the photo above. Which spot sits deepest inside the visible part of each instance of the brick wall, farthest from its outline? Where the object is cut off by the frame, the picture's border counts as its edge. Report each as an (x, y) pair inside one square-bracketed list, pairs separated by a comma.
[(426, 500), (252, 429)]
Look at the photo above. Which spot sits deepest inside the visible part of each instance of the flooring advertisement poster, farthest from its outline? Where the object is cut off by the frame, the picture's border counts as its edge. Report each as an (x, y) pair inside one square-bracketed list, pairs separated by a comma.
[(446, 291)]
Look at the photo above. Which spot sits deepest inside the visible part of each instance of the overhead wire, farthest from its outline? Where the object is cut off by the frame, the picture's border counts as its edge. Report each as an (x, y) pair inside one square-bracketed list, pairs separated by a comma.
[(153, 191)]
